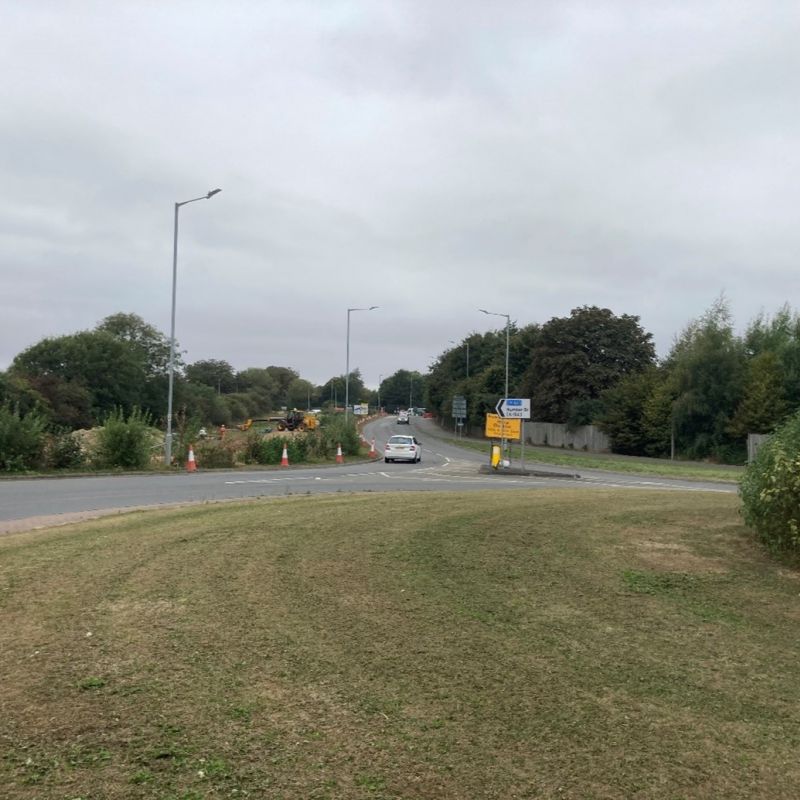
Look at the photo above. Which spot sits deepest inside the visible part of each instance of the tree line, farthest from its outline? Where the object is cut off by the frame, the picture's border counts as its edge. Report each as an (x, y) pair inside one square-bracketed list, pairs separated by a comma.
[(77, 380), (594, 367), (590, 367)]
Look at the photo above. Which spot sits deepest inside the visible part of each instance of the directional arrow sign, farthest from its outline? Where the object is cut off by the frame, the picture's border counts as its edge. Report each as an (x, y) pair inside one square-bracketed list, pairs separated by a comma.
[(514, 408)]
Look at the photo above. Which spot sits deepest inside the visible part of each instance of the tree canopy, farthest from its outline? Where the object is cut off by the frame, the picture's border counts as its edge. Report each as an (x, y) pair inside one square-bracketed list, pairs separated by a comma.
[(576, 358)]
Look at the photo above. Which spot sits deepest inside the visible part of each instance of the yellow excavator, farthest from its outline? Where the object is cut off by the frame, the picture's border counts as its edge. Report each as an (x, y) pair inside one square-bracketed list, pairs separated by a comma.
[(296, 421), (293, 421), (248, 423)]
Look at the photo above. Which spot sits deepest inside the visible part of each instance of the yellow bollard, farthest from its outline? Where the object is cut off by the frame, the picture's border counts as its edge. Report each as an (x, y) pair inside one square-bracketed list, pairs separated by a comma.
[(495, 456)]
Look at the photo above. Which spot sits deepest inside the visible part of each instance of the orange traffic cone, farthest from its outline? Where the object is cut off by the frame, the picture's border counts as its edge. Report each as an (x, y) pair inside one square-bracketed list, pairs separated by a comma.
[(339, 456), (285, 456), (191, 464), (372, 451)]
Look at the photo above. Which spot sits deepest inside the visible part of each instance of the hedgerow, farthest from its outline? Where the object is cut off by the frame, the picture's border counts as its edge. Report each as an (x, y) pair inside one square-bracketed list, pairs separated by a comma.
[(770, 490)]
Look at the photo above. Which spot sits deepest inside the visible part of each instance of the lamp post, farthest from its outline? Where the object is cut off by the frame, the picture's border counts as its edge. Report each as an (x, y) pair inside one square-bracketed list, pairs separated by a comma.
[(380, 381), (347, 366), (504, 441), (168, 439)]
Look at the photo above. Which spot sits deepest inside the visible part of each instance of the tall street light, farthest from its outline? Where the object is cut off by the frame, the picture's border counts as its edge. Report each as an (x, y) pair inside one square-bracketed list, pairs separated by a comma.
[(347, 366), (168, 440), (508, 326)]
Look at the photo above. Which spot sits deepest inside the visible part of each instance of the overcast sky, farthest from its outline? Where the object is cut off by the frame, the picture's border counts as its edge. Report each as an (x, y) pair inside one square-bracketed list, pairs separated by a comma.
[(429, 156)]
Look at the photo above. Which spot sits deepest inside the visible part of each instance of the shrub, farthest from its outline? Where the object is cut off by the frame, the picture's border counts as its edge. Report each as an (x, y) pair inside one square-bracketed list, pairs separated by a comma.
[(64, 451), (270, 451), (22, 438), (125, 443), (252, 447), (213, 454), (770, 490), (335, 431)]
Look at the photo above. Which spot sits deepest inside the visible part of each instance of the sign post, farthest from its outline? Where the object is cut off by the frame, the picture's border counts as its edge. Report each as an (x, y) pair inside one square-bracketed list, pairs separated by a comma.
[(499, 428), (516, 409), (460, 412)]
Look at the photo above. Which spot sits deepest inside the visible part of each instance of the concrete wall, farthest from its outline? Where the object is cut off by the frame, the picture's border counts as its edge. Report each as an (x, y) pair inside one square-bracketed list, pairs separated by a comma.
[(552, 434)]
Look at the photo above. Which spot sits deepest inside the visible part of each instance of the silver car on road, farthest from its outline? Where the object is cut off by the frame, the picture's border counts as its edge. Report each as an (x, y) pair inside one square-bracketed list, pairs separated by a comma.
[(402, 448)]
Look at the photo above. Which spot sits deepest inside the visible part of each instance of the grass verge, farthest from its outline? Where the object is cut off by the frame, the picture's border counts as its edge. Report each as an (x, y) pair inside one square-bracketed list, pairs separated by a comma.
[(628, 464), (574, 644)]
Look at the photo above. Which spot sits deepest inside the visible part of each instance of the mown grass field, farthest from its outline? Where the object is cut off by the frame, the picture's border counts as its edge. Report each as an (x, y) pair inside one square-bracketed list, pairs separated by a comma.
[(573, 644)]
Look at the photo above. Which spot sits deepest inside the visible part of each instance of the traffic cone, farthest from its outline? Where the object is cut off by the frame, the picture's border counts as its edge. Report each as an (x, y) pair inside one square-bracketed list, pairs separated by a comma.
[(339, 456), (372, 451), (285, 456), (191, 464)]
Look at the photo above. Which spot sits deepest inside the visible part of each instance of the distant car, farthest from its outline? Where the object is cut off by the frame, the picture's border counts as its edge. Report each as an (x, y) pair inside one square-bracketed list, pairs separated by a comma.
[(402, 418), (402, 448)]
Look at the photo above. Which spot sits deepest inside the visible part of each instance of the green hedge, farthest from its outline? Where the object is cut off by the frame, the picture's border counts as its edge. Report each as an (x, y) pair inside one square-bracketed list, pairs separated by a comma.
[(22, 439), (770, 490)]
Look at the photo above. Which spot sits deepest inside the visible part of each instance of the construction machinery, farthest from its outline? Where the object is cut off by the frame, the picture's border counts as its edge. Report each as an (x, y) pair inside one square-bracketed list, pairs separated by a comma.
[(296, 421), (248, 423)]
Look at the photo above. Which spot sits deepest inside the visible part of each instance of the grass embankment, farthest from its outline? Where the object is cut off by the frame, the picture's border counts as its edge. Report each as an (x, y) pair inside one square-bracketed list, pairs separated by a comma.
[(576, 459), (578, 644)]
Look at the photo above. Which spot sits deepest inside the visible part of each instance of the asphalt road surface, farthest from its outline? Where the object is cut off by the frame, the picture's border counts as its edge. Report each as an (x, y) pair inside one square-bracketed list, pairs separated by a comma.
[(25, 503)]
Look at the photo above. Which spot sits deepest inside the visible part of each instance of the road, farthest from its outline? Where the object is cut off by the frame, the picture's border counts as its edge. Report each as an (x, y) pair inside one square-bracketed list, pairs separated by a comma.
[(26, 503)]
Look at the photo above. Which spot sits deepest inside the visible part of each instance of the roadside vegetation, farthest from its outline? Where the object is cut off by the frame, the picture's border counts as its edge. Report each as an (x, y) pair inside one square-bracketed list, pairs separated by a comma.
[(705, 397), (712, 389), (131, 443), (575, 644), (771, 492)]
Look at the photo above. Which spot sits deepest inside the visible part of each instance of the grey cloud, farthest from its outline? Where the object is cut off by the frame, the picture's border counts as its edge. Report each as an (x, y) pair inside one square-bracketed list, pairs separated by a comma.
[(422, 156)]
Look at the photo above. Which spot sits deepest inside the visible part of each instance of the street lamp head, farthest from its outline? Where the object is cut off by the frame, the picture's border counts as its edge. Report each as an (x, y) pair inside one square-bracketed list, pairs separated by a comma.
[(496, 314), (212, 193)]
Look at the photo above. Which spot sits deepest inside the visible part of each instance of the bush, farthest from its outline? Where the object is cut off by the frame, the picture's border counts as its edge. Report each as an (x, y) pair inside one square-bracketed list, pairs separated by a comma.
[(22, 438), (770, 490), (211, 454), (64, 451), (336, 431), (125, 443), (270, 451)]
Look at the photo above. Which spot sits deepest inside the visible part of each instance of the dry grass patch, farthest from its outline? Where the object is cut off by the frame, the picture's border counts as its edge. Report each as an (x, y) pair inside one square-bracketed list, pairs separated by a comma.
[(571, 644)]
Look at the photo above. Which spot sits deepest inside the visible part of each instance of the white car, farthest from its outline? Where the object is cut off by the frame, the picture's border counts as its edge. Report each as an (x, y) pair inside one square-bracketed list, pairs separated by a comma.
[(402, 448), (402, 418)]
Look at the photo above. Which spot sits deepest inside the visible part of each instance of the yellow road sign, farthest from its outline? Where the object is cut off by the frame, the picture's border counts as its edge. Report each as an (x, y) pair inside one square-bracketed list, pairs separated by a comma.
[(499, 428)]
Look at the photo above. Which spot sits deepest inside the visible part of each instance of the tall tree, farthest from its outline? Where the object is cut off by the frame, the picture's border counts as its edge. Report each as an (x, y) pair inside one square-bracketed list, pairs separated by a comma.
[(301, 393), (623, 415), (283, 377), (403, 389), (219, 375), (779, 334), (763, 406), (146, 341), (577, 358), (96, 361), (332, 392), (707, 370)]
